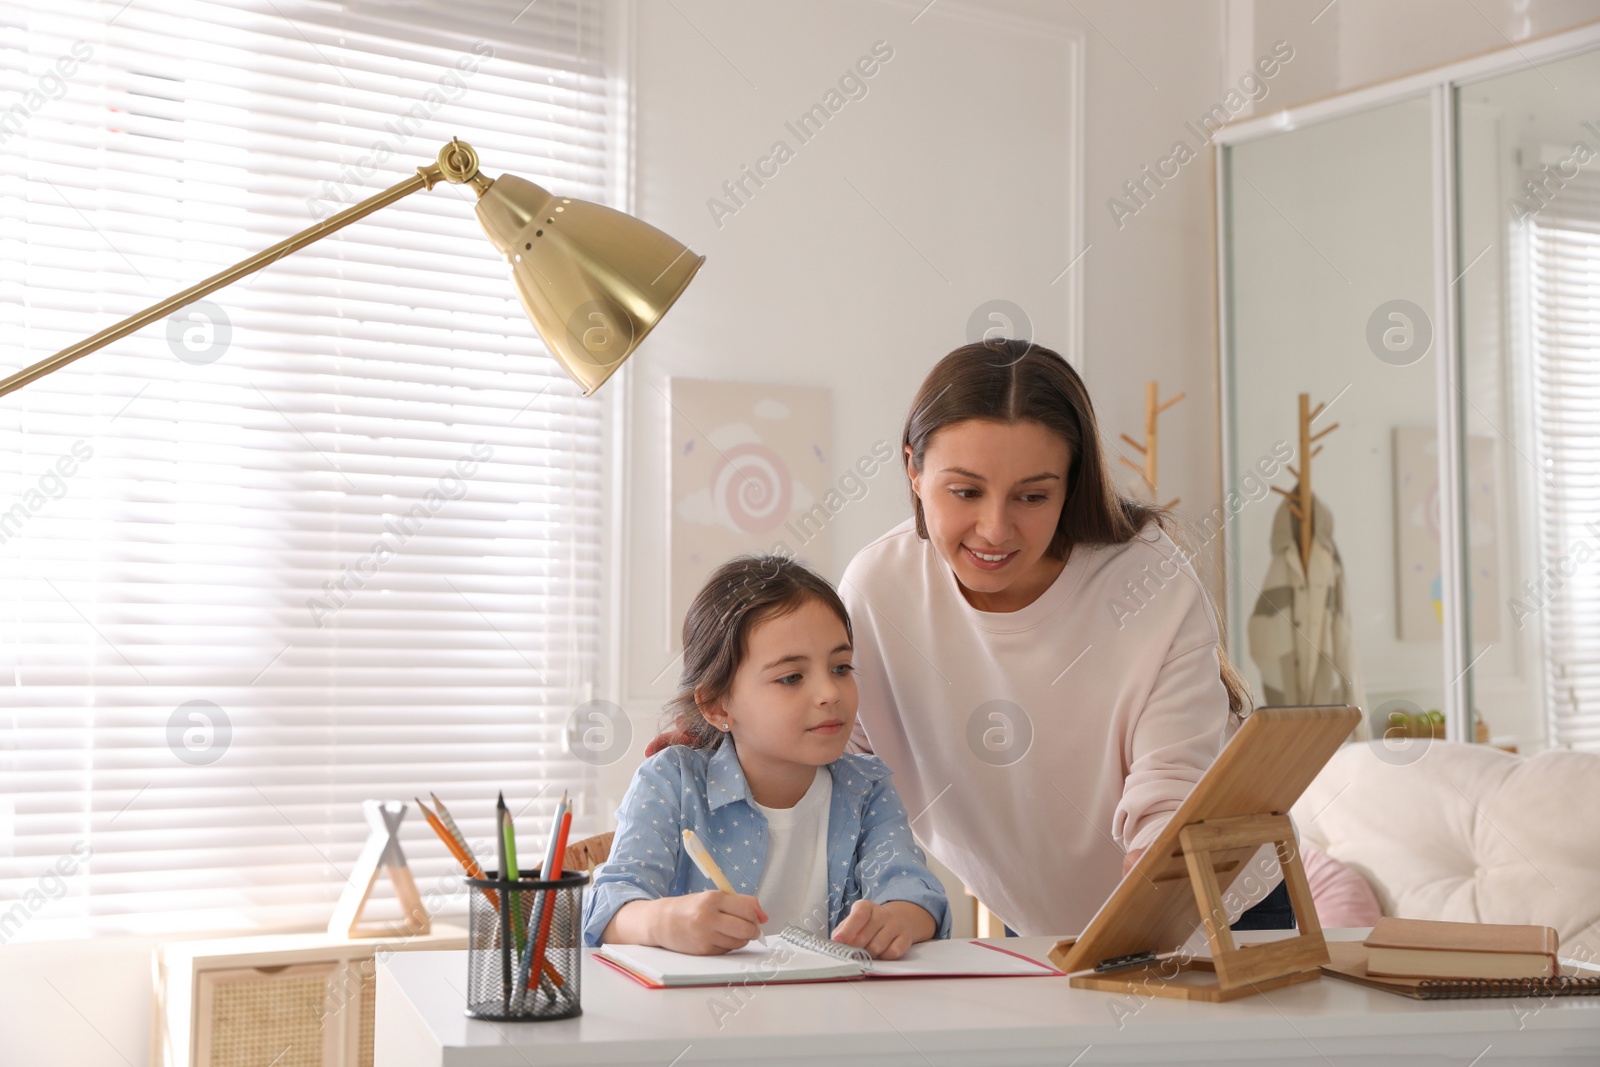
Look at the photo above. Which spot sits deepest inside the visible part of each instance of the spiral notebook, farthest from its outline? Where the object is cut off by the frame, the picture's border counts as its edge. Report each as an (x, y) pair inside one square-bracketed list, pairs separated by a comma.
[(796, 955), (1348, 960)]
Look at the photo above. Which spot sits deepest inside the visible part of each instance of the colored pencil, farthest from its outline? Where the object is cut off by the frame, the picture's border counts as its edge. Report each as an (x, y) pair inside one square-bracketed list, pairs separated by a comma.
[(457, 847), (455, 831), (547, 914), (502, 822), (468, 864), (519, 925), (544, 900)]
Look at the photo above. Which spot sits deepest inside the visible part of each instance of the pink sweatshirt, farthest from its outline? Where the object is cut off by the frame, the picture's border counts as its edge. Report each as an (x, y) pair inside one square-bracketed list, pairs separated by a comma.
[(1033, 747)]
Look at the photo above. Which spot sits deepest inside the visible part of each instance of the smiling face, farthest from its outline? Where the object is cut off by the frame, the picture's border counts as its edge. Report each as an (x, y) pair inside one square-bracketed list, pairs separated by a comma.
[(991, 495), (792, 703)]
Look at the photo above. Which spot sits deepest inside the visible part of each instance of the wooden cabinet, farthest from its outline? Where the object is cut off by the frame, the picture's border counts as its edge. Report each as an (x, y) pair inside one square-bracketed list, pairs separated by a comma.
[(302, 1000)]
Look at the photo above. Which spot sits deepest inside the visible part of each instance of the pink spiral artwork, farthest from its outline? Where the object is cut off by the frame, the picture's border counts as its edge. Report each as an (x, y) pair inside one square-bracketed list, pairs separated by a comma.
[(751, 488)]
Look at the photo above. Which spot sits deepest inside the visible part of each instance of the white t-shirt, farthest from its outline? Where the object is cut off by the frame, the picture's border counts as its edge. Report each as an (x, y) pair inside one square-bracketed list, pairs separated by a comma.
[(794, 879), (1033, 747)]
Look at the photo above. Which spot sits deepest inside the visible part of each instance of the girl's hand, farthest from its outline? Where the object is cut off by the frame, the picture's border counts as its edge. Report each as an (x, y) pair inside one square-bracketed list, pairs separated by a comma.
[(1130, 859), (705, 924), (885, 930)]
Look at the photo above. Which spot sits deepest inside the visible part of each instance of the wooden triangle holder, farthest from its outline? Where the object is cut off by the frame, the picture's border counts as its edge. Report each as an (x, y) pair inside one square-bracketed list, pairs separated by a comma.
[(382, 851), (1179, 882)]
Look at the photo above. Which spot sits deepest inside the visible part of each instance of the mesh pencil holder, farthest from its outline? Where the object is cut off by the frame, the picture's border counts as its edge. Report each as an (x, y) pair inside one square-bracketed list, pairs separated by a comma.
[(504, 979)]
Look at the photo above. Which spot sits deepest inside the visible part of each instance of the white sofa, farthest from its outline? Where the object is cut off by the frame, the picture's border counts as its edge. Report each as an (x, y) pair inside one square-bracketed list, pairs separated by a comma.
[(1445, 830)]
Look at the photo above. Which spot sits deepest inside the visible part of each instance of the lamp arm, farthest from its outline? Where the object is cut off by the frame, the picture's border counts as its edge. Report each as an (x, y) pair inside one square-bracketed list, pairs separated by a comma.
[(456, 164)]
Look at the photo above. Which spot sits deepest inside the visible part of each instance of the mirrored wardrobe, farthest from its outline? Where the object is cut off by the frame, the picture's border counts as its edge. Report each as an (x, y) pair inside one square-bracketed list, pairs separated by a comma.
[(1410, 344)]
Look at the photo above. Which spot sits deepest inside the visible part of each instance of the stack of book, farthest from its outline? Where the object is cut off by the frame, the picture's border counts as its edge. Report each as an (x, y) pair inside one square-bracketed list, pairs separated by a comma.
[(1431, 960)]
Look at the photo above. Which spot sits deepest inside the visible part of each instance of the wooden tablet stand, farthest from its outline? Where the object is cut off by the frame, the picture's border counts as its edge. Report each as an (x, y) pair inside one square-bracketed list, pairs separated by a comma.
[(1239, 805), (1239, 971)]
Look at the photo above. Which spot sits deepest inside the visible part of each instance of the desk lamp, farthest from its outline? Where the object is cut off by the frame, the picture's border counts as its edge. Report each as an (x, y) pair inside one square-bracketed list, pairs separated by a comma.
[(594, 281)]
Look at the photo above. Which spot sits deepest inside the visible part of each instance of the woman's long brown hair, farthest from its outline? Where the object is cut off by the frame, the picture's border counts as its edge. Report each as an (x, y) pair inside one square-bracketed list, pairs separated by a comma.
[(1018, 381)]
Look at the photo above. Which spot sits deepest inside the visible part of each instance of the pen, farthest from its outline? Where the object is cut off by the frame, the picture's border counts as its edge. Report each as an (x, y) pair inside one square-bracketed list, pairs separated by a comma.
[(708, 867)]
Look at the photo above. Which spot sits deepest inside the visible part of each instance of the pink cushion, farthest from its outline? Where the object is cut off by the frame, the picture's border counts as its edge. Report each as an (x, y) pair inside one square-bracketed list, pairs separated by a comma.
[(1343, 898)]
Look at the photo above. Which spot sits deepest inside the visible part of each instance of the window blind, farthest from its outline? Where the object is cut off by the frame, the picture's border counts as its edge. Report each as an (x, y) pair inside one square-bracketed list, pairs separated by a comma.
[(1562, 268), (334, 534)]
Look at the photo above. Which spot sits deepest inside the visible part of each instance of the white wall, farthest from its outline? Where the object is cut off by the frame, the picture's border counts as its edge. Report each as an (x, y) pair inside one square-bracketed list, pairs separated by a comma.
[(966, 145), (967, 148), (855, 268)]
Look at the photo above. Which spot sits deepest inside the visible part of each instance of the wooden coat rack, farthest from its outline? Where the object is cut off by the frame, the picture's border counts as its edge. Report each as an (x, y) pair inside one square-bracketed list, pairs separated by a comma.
[(1149, 449), (1300, 500)]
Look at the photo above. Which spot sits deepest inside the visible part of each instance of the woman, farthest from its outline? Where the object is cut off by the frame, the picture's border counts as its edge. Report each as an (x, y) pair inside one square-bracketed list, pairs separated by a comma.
[(1038, 663)]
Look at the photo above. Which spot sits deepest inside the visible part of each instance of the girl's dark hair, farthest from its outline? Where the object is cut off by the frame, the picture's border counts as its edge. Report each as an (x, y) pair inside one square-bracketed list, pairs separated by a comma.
[(742, 592), (1018, 381)]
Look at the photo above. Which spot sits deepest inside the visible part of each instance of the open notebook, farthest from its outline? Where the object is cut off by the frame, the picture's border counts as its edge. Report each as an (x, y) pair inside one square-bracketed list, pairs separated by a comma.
[(798, 956)]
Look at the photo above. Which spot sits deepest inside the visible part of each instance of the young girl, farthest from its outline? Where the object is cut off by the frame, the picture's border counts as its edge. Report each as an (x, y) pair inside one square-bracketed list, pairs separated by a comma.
[(806, 833)]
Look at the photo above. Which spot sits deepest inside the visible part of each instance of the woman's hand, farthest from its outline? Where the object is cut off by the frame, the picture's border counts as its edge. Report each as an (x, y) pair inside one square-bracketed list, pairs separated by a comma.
[(1130, 859), (885, 930), (699, 924)]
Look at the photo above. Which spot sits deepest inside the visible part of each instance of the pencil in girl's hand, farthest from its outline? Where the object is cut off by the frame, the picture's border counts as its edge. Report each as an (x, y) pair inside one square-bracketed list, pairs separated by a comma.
[(702, 859), (708, 867)]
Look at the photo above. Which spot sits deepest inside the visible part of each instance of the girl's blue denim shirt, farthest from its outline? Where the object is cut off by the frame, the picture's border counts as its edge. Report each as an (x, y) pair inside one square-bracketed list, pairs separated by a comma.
[(871, 854)]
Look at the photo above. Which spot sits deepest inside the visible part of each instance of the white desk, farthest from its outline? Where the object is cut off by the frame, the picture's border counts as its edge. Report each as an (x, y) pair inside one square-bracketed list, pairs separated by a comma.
[(989, 1022)]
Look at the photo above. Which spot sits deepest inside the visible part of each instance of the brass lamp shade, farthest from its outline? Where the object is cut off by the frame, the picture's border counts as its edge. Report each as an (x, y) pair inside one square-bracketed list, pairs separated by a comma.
[(593, 281)]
